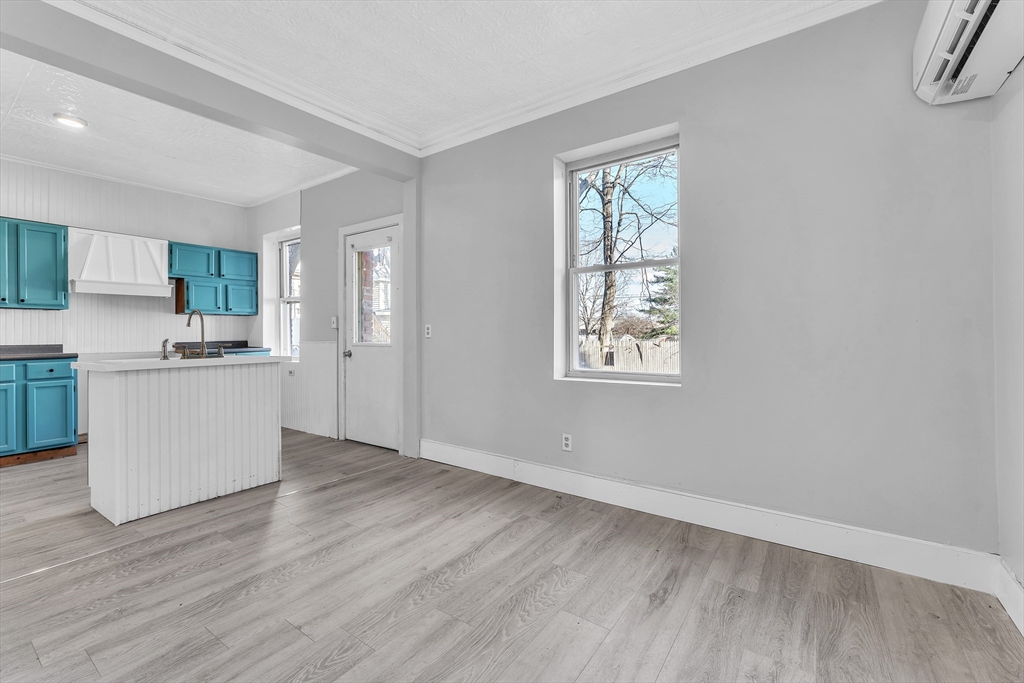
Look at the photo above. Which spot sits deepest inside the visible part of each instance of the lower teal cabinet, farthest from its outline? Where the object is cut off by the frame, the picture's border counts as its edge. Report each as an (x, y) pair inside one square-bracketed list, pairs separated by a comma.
[(204, 295), (240, 298), (8, 418), (39, 408), (50, 413)]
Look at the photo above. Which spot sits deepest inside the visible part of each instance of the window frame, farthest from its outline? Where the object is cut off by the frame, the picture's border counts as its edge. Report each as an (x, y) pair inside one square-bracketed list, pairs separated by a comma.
[(573, 270), (283, 299)]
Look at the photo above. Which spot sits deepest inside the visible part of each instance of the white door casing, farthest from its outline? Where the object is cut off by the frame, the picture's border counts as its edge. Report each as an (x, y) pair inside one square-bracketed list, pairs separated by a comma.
[(370, 348)]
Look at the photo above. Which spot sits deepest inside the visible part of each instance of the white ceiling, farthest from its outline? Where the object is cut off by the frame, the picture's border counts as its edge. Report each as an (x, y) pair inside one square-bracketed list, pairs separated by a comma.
[(418, 75), (136, 140), (425, 75)]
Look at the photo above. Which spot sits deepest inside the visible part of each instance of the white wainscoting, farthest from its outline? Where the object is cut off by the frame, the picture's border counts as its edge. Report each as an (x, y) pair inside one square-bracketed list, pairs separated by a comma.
[(947, 564), (163, 439), (309, 398)]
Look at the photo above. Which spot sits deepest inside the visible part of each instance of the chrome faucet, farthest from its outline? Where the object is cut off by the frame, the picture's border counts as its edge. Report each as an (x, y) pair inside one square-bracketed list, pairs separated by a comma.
[(163, 348), (202, 330)]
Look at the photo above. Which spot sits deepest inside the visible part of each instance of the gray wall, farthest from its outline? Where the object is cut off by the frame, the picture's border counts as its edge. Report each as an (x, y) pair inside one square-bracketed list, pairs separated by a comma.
[(1008, 295), (836, 290), (354, 198)]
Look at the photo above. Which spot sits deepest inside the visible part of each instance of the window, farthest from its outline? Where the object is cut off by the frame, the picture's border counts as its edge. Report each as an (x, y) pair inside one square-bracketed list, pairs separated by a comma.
[(291, 281), (624, 266)]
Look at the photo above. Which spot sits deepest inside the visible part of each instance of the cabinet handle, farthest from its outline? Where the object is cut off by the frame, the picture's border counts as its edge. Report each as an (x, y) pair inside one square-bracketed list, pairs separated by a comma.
[(21, 300), (3, 298), (50, 370)]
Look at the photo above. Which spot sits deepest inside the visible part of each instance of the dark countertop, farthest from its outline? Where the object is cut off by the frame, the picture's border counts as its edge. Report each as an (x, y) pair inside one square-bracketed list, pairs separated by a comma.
[(229, 346), (34, 352)]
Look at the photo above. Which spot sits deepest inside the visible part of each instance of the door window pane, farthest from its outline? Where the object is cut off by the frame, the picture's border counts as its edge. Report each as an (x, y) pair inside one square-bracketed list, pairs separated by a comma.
[(373, 296)]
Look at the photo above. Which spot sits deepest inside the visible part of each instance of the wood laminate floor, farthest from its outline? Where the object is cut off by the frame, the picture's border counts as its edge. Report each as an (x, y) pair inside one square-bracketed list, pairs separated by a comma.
[(362, 565)]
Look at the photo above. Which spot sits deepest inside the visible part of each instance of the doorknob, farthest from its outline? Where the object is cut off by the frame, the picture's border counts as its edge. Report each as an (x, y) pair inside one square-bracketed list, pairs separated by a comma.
[(348, 353)]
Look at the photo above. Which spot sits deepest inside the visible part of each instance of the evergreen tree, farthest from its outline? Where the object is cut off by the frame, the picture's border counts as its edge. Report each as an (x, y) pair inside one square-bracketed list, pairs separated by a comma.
[(664, 301)]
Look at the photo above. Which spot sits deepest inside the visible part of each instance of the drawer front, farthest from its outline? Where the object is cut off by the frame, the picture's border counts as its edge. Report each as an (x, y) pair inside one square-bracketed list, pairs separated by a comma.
[(48, 370), (6, 372)]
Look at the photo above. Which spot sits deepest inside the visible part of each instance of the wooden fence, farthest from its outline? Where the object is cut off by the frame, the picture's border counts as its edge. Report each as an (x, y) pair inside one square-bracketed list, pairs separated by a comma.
[(633, 355)]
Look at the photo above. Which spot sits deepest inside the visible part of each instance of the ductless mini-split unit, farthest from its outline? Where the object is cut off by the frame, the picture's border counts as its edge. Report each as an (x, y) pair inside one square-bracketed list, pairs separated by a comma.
[(966, 48)]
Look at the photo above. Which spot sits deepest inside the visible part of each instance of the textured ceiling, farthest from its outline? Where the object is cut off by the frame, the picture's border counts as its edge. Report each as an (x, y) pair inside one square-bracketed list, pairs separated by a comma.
[(133, 139), (426, 75), (419, 75)]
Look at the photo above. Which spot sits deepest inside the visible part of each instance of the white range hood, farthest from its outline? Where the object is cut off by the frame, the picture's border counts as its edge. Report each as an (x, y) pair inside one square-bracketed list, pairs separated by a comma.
[(111, 263)]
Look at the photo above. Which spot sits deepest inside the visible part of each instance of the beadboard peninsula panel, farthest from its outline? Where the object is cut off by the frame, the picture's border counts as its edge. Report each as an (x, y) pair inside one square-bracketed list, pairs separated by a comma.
[(166, 438), (309, 397)]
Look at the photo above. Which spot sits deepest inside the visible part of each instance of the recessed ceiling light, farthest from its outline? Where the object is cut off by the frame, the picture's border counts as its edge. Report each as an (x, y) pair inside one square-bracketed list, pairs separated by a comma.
[(71, 121)]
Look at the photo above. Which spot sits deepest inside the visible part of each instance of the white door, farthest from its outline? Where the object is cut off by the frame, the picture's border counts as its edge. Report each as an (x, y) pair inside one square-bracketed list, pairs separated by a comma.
[(372, 350)]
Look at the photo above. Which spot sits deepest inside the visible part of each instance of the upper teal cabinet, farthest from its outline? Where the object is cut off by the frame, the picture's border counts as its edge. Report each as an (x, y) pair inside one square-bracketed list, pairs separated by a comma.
[(33, 265), (237, 265), (214, 281), (190, 260)]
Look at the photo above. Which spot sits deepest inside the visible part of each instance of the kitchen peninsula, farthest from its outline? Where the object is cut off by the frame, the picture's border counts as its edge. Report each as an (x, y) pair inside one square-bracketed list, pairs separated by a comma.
[(168, 433)]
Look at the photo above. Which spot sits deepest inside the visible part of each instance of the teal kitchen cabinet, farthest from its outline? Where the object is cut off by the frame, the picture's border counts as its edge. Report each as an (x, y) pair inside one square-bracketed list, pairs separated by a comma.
[(33, 265), (240, 298), (8, 417), (204, 295), (191, 260), (38, 405), (49, 413), (213, 280), (237, 265)]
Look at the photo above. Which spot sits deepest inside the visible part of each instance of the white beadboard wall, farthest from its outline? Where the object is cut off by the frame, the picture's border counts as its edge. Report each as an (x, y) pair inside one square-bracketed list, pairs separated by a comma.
[(105, 323), (51, 196), (309, 398), (99, 323)]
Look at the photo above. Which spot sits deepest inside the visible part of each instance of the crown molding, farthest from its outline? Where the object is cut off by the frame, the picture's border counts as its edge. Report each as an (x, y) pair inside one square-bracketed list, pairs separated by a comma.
[(470, 128), (247, 205), (742, 38), (191, 57)]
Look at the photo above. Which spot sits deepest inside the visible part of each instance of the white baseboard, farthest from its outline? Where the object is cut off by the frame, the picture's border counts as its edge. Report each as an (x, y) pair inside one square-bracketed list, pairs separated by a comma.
[(1007, 588), (946, 564)]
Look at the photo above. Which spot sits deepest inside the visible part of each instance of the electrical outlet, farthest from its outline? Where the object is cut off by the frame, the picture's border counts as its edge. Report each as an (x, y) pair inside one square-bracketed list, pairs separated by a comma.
[(567, 442), (291, 373), (426, 331)]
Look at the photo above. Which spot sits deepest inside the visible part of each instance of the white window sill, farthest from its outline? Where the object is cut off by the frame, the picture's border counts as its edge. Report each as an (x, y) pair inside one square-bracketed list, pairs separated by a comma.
[(674, 382)]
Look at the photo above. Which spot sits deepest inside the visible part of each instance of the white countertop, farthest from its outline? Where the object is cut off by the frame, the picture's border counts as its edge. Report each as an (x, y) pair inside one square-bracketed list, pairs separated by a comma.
[(175, 363)]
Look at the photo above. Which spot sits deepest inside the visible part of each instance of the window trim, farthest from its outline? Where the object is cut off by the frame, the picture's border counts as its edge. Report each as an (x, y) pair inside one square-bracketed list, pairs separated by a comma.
[(283, 300), (572, 270)]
